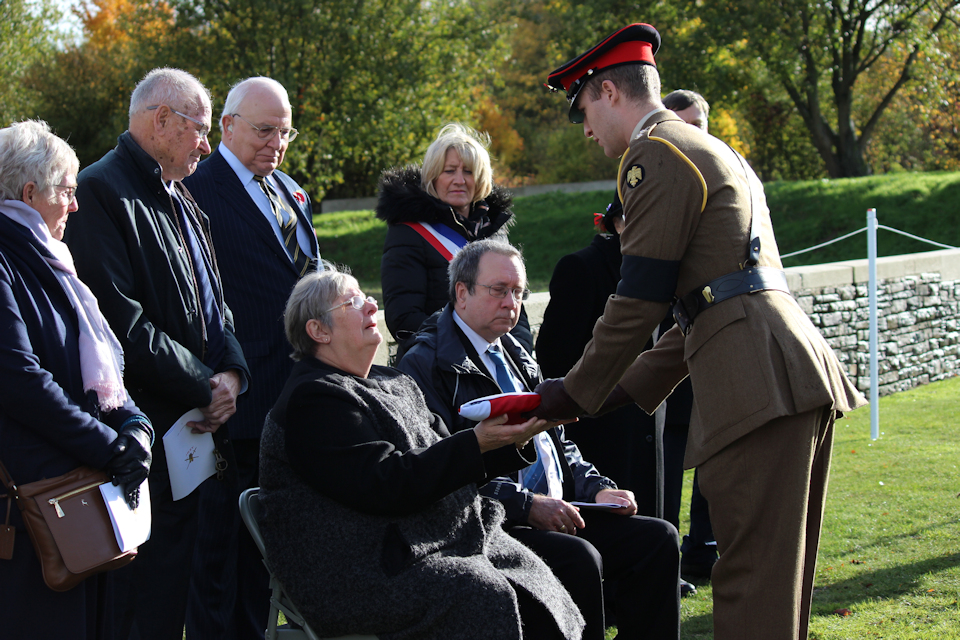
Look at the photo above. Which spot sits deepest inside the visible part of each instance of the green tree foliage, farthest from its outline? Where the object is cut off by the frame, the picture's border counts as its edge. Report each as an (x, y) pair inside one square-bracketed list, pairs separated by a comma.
[(370, 81), (26, 37), (818, 51), (545, 33)]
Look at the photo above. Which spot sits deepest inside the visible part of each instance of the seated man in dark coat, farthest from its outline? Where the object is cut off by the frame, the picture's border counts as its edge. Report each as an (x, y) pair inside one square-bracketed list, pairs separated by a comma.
[(465, 352)]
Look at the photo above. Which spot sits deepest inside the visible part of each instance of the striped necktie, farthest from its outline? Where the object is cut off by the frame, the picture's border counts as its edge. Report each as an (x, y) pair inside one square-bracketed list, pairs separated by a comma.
[(287, 220)]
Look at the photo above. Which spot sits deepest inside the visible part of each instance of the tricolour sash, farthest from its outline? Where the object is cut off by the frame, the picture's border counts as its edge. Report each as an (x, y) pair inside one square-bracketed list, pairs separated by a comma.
[(441, 237)]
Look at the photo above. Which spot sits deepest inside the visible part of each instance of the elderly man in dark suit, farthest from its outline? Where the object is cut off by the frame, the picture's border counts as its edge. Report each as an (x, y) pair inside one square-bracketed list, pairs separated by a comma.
[(143, 247), (767, 387), (262, 228)]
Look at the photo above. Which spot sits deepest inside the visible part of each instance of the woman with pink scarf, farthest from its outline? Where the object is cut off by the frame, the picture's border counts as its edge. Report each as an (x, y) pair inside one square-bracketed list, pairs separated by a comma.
[(62, 399)]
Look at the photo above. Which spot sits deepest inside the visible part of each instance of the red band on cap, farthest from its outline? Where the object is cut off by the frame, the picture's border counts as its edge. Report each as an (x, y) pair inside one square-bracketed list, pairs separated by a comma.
[(633, 51)]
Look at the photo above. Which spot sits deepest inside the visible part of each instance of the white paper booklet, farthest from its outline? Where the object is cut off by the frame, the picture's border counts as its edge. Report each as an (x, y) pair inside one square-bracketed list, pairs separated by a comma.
[(190, 458), (131, 526)]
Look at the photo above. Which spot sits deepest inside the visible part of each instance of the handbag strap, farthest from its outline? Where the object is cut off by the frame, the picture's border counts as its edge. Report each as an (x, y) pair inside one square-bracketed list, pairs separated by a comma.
[(11, 490), (7, 479)]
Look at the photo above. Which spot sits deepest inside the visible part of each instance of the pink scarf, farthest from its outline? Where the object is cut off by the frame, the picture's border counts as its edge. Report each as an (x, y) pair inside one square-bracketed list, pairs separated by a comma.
[(101, 357)]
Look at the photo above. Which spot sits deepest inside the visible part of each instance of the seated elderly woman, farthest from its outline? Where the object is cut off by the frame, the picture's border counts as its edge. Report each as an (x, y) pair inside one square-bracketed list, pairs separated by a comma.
[(62, 399), (372, 518)]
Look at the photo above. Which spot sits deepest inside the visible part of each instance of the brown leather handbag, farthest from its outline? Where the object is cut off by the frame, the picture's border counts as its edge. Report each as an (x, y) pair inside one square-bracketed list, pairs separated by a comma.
[(68, 523)]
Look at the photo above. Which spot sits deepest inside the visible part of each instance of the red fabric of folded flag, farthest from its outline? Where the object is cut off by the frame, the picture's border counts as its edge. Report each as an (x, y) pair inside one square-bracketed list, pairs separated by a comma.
[(512, 404)]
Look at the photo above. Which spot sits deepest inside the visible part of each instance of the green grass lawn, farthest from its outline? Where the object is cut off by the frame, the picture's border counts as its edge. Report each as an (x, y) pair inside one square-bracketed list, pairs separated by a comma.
[(890, 550)]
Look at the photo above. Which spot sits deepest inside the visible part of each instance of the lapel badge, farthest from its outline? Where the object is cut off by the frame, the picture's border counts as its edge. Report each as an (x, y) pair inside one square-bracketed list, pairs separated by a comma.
[(299, 197), (635, 175)]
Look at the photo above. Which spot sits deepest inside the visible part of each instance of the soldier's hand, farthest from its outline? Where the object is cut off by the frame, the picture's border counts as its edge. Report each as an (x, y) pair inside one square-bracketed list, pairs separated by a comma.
[(556, 405)]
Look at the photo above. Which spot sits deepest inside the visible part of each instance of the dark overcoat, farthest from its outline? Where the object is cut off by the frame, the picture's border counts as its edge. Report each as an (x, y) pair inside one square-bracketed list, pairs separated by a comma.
[(130, 250), (379, 528), (48, 426), (581, 283)]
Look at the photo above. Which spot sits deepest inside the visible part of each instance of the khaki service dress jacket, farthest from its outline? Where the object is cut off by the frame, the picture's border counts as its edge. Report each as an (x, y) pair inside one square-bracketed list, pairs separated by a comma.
[(688, 200)]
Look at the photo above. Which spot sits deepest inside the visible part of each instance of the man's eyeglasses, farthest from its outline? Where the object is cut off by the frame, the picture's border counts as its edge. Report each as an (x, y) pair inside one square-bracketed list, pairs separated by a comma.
[(66, 190), (267, 133), (500, 291), (356, 301), (204, 130)]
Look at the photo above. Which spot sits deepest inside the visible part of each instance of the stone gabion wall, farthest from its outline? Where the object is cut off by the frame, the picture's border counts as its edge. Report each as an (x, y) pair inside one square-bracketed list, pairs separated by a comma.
[(918, 329)]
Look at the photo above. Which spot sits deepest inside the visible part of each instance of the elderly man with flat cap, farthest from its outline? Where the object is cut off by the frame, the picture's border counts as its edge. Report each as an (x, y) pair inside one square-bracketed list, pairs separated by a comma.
[(767, 387)]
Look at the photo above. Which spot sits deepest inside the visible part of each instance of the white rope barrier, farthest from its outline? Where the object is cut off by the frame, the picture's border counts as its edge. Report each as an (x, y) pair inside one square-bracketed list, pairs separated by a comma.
[(910, 235), (871, 228), (824, 244), (853, 233)]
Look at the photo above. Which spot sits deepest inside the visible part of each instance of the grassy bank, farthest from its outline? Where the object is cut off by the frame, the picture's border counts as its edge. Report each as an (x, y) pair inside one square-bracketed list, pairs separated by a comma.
[(804, 214)]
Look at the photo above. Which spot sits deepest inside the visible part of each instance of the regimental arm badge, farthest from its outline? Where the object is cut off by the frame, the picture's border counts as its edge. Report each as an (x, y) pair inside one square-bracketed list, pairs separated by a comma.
[(635, 175)]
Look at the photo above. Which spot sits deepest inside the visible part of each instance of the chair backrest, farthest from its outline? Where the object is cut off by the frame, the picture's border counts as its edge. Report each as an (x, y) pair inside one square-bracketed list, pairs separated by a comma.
[(251, 511)]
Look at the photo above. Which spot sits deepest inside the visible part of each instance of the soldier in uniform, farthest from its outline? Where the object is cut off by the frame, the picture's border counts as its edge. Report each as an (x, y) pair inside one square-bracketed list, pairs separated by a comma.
[(767, 387)]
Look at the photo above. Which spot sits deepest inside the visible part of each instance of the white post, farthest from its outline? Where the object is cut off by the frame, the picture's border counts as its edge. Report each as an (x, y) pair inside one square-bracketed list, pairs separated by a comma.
[(874, 361)]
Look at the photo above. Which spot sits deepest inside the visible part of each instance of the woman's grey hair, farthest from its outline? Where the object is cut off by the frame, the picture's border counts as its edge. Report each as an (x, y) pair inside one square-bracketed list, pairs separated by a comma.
[(239, 91), (173, 87), (310, 299), (472, 147), (466, 264), (30, 152)]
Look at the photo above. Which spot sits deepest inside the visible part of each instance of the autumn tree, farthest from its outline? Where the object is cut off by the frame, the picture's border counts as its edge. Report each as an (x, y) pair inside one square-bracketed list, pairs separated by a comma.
[(818, 51), (921, 127), (545, 33), (83, 90)]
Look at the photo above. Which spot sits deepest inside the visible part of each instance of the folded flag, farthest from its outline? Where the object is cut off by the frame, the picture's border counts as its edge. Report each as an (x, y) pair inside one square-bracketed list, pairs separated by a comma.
[(512, 404)]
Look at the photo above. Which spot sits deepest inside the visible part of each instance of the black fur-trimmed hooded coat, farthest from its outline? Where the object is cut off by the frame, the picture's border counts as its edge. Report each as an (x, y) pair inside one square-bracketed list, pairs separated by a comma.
[(412, 273)]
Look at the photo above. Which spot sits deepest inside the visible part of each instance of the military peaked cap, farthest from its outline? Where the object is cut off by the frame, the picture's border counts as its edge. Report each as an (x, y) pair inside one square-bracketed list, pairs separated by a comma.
[(634, 44)]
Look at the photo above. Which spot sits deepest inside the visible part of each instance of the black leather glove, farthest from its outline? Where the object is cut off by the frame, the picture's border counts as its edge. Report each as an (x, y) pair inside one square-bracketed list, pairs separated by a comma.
[(131, 459), (617, 398), (556, 405)]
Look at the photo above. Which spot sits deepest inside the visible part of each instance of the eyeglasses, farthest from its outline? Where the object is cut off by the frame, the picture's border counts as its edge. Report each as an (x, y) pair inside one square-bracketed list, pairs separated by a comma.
[(356, 301), (66, 190), (267, 133), (204, 130), (500, 291)]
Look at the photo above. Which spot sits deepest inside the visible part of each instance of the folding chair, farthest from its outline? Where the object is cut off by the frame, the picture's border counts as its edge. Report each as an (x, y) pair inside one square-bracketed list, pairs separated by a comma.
[(251, 511)]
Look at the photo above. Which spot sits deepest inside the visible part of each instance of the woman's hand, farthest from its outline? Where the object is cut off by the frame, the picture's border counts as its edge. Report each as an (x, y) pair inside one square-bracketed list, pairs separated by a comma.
[(492, 433)]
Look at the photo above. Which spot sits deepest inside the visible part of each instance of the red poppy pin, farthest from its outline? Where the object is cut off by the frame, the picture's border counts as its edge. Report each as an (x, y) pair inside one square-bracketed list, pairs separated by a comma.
[(302, 199)]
